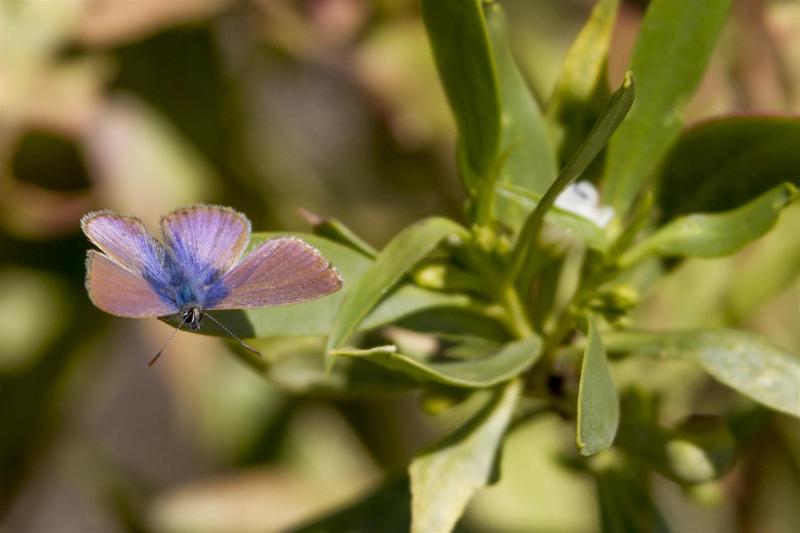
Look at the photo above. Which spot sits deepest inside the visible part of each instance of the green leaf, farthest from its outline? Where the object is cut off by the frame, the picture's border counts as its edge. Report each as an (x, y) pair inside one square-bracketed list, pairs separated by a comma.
[(610, 118), (296, 365), (723, 163), (598, 405), (717, 234), (336, 231), (531, 160), (460, 45), (316, 318), (771, 268), (398, 258), (581, 88), (408, 300), (446, 322), (743, 361), (491, 369), (444, 478), (671, 52)]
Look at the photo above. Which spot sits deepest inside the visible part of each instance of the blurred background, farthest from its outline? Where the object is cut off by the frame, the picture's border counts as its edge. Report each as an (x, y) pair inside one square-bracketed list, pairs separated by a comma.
[(142, 106)]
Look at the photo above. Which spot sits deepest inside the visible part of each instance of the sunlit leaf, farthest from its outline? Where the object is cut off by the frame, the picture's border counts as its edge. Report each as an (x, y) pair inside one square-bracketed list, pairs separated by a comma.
[(477, 372), (714, 234), (581, 88), (460, 44), (743, 361), (598, 405), (395, 260), (335, 230), (531, 162), (673, 47), (444, 478)]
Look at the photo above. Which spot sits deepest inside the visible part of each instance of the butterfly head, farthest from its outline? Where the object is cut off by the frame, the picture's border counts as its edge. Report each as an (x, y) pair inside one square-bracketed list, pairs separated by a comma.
[(193, 317)]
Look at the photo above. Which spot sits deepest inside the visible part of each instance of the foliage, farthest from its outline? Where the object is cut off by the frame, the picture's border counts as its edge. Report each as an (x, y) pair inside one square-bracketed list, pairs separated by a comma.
[(529, 305), (501, 143)]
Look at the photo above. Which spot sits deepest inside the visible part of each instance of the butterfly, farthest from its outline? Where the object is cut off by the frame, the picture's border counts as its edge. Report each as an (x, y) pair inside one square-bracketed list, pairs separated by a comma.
[(197, 267)]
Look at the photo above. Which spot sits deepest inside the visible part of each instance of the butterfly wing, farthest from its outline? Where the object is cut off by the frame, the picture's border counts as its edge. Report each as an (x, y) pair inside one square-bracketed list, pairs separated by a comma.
[(116, 290), (125, 240), (206, 240), (281, 271)]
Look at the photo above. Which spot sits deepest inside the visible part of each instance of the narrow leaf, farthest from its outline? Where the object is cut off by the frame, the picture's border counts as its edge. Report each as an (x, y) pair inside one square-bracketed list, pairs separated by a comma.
[(581, 87), (400, 255), (716, 234), (444, 478), (609, 120), (743, 361), (479, 372), (460, 45), (671, 52), (531, 160), (336, 231), (598, 405)]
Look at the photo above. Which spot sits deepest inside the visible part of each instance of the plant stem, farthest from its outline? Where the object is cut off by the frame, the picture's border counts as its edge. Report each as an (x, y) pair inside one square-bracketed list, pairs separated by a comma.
[(504, 292), (518, 319)]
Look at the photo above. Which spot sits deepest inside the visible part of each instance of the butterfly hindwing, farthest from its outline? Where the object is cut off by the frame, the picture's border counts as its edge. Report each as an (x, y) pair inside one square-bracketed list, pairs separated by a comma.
[(206, 240), (116, 290), (280, 271)]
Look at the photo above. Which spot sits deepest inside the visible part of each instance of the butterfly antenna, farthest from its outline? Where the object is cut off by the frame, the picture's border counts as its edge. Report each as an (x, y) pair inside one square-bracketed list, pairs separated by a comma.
[(169, 339), (229, 332)]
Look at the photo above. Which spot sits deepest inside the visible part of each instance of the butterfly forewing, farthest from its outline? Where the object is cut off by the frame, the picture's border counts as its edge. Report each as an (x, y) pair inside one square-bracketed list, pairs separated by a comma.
[(281, 271), (206, 240), (123, 239), (118, 291)]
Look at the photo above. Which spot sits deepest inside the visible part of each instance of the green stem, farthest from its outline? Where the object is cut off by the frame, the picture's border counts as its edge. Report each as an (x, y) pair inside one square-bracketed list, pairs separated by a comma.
[(504, 292), (517, 317)]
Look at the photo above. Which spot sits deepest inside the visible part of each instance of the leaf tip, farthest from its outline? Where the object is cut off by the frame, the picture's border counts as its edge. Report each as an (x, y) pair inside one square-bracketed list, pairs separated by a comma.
[(791, 191), (629, 80)]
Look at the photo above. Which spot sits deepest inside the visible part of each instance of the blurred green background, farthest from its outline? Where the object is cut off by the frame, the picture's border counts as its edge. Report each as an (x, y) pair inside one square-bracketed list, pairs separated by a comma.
[(142, 106)]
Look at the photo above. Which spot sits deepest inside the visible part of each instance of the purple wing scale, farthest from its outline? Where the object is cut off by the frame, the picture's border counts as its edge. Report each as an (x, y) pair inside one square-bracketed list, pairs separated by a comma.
[(116, 290), (206, 240), (125, 240), (281, 271)]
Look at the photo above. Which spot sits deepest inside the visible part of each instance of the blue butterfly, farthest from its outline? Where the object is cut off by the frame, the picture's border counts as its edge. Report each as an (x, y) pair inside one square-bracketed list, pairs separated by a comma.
[(199, 266)]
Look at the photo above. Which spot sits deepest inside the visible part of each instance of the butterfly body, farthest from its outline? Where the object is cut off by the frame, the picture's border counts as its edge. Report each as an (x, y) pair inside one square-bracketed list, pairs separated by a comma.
[(193, 317), (199, 266), (185, 287)]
